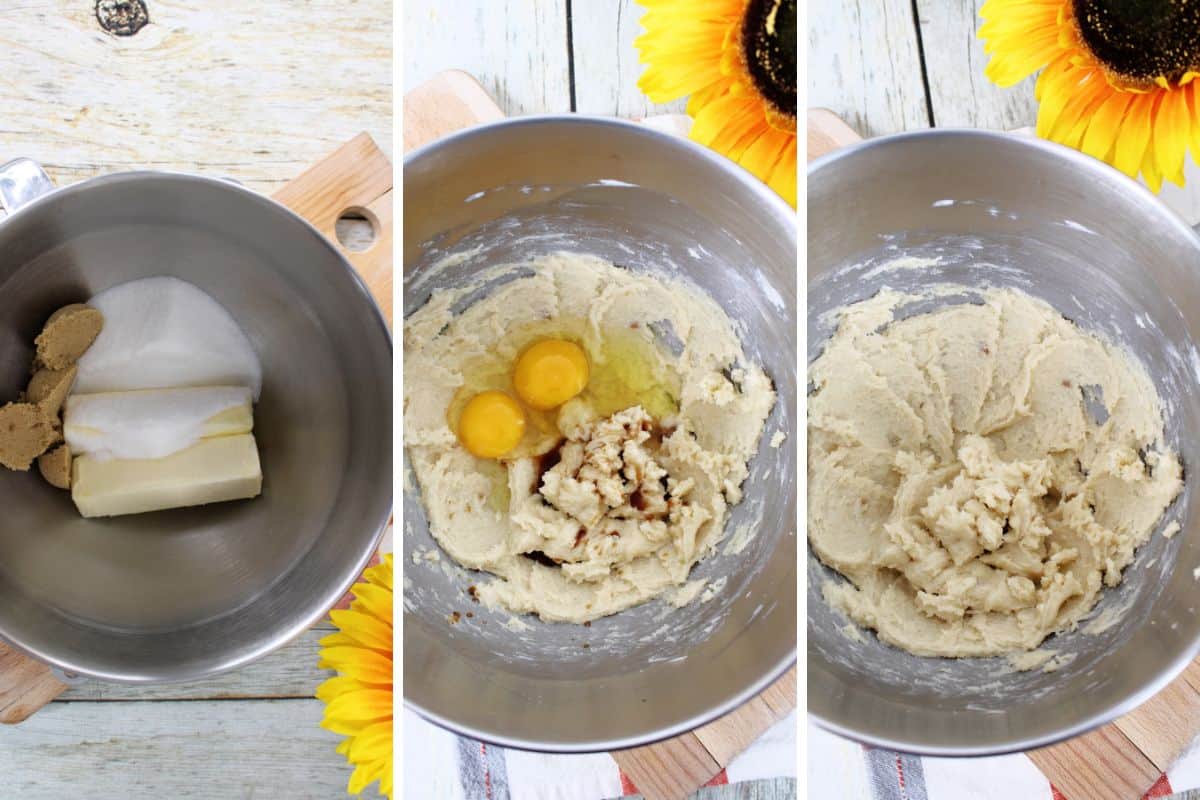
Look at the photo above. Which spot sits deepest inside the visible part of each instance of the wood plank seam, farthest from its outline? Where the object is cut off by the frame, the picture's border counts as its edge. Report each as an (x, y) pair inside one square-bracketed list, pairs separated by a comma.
[(571, 55), (921, 59)]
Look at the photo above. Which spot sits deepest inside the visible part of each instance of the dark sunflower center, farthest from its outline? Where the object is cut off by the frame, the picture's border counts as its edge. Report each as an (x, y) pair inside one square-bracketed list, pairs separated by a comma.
[(1142, 39), (769, 42)]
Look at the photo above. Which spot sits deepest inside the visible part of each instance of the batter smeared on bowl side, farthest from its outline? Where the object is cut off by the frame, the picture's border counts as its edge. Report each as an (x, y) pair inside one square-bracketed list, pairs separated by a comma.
[(979, 473), (579, 430)]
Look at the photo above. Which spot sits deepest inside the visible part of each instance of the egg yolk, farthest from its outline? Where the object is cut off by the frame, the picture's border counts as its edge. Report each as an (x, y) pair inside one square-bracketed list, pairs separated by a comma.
[(550, 373), (491, 425)]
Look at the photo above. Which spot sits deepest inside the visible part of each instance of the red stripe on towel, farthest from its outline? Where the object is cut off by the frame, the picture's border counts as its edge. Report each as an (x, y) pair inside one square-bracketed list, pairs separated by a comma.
[(720, 779), (1161, 788), (627, 786), (487, 773)]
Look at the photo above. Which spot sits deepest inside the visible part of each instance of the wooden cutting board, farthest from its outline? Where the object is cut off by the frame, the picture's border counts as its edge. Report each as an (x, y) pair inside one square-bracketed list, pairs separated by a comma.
[(675, 768), (356, 178), (1123, 759)]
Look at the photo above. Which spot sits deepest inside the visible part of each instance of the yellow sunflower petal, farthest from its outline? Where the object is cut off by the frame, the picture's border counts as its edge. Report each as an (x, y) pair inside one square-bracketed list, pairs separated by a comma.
[(1053, 93), (385, 782), (358, 700), (363, 776), (1106, 125), (340, 639), (682, 49), (737, 127), (380, 574), (730, 125), (358, 663), (1172, 133), (663, 84), (344, 727), (373, 600), (693, 48), (762, 157), (708, 94), (783, 179), (363, 627), (1141, 127), (1192, 94), (1135, 135), (1151, 170), (1020, 38), (1006, 70), (373, 744), (361, 705), (1077, 114), (332, 687), (764, 152)]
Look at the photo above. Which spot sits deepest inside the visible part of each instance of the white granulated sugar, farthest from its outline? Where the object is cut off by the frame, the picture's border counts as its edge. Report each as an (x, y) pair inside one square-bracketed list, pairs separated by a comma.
[(166, 333)]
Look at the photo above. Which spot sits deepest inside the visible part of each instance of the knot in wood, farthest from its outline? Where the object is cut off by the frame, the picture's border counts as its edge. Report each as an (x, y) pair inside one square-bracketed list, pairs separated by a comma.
[(122, 17)]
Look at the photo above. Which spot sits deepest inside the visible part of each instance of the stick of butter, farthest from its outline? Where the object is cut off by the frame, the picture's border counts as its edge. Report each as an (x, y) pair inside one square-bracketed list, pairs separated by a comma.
[(154, 423), (212, 471)]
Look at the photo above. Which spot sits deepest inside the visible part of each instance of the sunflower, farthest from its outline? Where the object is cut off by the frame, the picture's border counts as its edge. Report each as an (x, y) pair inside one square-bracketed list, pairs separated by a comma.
[(358, 702), (1118, 76), (736, 59)]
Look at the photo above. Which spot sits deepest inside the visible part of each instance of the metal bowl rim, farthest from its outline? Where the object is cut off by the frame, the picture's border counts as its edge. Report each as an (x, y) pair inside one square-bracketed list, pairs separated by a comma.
[(775, 205), (602, 745)]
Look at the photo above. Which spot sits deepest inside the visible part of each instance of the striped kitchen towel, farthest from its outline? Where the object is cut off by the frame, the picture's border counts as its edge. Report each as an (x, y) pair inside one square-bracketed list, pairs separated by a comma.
[(842, 769), (441, 765)]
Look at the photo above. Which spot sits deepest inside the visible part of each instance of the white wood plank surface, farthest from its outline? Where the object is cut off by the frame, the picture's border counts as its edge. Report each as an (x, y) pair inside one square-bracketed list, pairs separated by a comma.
[(516, 48), (961, 95), (865, 65), (253, 91), (207, 750), (606, 62)]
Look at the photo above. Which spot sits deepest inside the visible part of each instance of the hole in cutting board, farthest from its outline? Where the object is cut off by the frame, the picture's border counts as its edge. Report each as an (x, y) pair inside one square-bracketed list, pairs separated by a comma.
[(356, 229)]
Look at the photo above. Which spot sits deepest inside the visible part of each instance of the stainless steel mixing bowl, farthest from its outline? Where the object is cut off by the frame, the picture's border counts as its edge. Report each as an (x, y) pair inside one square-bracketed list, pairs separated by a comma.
[(1013, 211), (648, 201), (183, 594)]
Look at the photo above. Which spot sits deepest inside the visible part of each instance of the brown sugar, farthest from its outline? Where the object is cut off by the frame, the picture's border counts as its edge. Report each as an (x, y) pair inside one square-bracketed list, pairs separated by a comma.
[(68, 334)]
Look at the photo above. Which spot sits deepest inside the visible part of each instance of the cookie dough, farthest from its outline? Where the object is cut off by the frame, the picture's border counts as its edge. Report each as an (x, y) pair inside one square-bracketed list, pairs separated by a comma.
[(611, 499), (979, 473), (26, 431), (68, 334), (55, 466)]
